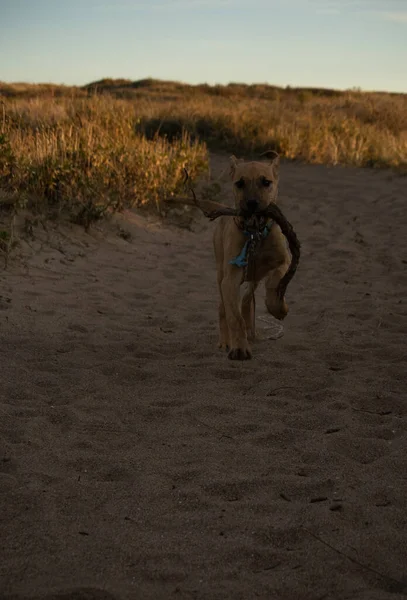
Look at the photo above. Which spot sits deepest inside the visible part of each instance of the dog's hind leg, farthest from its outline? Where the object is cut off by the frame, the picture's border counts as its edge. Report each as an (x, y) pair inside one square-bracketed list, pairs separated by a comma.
[(219, 256), (223, 326), (249, 309), (239, 347)]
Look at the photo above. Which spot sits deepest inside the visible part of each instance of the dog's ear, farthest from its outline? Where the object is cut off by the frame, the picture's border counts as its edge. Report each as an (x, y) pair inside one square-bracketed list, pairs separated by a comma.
[(273, 158), (233, 164)]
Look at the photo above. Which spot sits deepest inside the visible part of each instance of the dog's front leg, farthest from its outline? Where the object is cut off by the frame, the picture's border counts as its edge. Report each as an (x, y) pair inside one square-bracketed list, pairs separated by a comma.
[(276, 306), (279, 263), (239, 347)]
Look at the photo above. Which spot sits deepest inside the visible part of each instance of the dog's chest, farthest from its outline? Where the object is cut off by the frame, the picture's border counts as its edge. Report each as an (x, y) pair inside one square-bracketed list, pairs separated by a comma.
[(266, 254), (264, 261)]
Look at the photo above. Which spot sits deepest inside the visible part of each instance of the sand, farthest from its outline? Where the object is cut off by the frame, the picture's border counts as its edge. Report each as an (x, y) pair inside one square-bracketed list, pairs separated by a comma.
[(137, 461)]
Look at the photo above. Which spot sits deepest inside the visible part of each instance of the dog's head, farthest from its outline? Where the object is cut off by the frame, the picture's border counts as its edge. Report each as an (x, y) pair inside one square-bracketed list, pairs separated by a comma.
[(255, 183)]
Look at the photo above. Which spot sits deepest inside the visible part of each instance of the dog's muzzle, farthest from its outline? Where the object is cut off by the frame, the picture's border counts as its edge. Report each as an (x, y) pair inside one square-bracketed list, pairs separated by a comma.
[(252, 206)]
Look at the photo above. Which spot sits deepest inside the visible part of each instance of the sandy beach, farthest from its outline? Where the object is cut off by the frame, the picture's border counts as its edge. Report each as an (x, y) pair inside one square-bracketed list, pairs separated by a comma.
[(138, 462)]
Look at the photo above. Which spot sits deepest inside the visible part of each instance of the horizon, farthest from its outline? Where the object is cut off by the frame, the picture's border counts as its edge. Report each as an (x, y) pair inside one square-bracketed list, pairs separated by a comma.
[(125, 81), (336, 44)]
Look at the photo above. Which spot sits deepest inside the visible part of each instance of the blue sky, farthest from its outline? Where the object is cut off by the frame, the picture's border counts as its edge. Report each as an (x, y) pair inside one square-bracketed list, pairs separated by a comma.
[(331, 43)]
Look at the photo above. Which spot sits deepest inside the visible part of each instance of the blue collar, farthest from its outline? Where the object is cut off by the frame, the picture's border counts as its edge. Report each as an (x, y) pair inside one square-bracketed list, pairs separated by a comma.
[(241, 259)]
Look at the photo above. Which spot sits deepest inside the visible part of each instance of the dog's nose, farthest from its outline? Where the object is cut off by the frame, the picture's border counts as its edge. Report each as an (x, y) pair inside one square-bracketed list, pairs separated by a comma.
[(252, 204)]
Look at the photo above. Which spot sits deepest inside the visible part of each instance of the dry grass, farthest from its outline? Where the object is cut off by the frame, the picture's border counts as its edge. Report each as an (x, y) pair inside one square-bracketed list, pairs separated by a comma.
[(85, 157), (365, 130), (119, 143)]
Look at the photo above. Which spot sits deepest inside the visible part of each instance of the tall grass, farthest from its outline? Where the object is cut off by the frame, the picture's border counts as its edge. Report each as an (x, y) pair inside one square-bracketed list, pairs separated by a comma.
[(85, 156), (119, 143), (365, 131)]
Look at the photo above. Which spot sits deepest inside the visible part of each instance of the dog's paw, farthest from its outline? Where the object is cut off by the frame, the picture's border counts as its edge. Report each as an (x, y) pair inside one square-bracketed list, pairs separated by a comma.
[(223, 346), (277, 307), (240, 354)]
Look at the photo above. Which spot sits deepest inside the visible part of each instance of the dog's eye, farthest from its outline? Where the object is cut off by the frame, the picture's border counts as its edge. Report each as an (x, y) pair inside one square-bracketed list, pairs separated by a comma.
[(240, 184), (266, 182)]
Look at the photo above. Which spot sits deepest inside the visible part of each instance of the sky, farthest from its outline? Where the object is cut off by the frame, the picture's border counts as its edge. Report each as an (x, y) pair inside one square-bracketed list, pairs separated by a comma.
[(338, 44)]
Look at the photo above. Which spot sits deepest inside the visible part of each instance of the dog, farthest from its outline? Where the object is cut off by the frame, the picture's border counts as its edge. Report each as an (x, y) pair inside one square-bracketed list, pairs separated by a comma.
[(255, 185)]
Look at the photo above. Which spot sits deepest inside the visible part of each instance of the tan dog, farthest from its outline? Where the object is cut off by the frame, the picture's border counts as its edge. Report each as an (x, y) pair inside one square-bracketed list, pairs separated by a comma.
[(255, 186)]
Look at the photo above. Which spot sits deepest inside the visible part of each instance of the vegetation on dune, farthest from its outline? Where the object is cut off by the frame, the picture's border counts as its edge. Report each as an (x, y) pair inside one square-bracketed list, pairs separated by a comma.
[(117, 143), (84, 156)]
